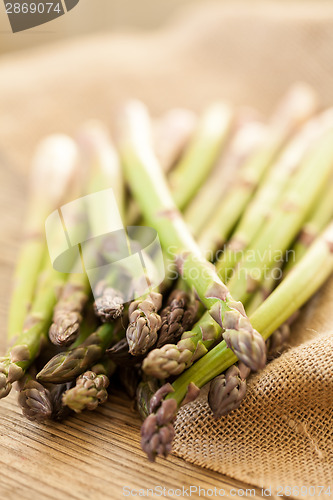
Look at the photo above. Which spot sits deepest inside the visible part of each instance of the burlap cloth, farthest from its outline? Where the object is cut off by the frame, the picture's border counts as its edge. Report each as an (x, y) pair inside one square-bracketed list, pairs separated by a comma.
[(249, 54)]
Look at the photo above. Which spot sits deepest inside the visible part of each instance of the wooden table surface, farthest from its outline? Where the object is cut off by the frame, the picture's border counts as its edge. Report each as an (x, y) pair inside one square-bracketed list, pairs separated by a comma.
[(90, 456)]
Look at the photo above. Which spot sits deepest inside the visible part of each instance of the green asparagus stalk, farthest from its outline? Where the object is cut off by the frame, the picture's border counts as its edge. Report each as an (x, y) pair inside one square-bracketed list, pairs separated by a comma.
[(287, 220), (106, 171), (28, 345), (201, 154), (170, 137), (316, 222), (228, 390), (260, 208), (299, 285), (321, 216), (52, 171), (297, 106), (144, 176), (68, 365), (90, 389), (249, 134)]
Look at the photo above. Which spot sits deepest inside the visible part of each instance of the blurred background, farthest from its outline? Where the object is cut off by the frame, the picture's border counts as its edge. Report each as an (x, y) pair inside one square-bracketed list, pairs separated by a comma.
[(91, 16), (166, 52)]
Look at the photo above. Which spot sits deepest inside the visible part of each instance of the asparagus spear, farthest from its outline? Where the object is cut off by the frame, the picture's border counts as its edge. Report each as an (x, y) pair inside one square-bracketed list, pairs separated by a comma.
[(227, 400), (41, 403), (27, 346), (177, 317), (260, 208), (227, 391), (119, 353), (144, 323), (170, 136), (316, 222), (104, 170), (35, 401), (299, 285), (52, 170), (90, 389), (287, 220), (144, 176), (67, 314), (248, 136), (140, 334), (201, 154), (295, 108), (70, 364)]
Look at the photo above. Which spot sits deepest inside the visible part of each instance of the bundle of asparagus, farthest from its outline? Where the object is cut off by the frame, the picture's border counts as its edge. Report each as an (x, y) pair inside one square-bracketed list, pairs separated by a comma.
[(220, 313)]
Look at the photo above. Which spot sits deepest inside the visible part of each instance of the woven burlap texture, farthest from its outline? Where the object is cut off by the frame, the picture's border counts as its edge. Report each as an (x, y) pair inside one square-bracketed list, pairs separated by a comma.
[(248, 53), (282, 433)]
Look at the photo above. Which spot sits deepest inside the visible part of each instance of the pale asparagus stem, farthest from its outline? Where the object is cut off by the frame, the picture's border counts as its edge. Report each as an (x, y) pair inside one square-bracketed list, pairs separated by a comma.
[(144, 176), (296, 107), (53, 168), (144, 323), (67, 365), (321, 216), (318, 219), (300, 284), (201, 154), (299, 199), (103, 170), (171, 134), (106, 170), (260, 208), (177, 317), (249, 134), (228, 390)]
